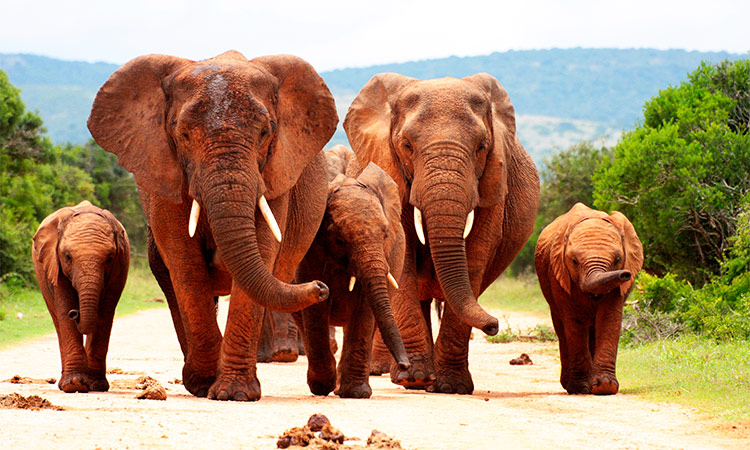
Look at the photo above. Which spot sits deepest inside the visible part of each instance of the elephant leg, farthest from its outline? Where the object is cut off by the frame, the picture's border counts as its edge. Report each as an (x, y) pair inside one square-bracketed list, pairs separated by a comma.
[(353, 368), (578, 355), (452, 356), (284, 338), (265, 346), (237, 378), (161, 273), (74, 377), (603, 379), (321, 365), (97, 345), (557, 323)]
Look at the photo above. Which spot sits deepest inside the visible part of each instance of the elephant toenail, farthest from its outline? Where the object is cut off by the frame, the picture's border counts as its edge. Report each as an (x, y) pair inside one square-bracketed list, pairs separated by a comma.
[(418, 375), (241, 397)]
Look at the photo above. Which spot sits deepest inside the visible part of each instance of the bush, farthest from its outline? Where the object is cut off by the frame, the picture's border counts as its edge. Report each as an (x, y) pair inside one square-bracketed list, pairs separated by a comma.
[(681, 175)]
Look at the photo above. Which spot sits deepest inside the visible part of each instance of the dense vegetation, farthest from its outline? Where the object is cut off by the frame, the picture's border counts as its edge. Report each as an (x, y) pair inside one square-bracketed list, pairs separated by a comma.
[(38, 177)]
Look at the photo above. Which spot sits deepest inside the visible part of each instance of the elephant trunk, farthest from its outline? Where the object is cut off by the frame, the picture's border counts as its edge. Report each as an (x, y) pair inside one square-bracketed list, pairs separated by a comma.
[(600, 282), (231, 211), (89, 287), (373, 271), (448, 199)]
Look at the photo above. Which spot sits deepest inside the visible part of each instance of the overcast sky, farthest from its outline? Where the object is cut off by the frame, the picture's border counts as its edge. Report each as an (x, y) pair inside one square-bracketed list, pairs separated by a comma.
[(344, 33)]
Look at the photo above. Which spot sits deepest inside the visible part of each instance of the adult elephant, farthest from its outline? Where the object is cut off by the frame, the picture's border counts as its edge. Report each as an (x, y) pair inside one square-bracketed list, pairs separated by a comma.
[(226, 156), (451, 146)]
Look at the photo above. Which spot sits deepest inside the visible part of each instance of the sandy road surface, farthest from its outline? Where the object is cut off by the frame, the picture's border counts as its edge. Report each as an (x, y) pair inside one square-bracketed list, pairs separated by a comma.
[(513, 407)]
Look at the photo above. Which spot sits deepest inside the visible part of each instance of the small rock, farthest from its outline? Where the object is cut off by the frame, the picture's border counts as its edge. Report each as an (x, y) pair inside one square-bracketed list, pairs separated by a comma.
[(316, 422), (522, 360), (19, 315)]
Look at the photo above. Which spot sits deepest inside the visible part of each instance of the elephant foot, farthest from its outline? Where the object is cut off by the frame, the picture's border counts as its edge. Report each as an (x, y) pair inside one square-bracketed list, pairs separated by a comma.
[(98, 383), (197, 383), (605, 385), (321, 384), (264, 355), (240, 388), (577, 388), (354, 390), (453, 383), (420, 375), (380, 366), (73, 382), (286, 355)]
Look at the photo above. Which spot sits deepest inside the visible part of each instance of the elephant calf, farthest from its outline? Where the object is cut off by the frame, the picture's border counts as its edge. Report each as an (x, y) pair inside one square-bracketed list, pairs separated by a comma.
[(586, 262), (358, 251), (81, 256)]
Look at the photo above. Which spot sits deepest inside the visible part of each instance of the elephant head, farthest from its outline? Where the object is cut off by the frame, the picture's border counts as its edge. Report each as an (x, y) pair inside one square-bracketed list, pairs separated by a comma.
[(447, 143), (363, 233), (597, 252), (80, 245), (225, 135)]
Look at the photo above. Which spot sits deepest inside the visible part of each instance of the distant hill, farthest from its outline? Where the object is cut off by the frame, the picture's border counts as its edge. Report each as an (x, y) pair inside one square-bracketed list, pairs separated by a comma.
[(560, 95)]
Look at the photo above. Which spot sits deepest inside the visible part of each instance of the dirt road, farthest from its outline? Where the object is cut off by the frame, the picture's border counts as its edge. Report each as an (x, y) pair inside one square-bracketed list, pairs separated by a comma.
[(513, 407)]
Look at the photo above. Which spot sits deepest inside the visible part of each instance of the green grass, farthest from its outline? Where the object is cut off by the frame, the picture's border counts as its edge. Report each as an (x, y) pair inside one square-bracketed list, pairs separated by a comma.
[(692, 371), (36, 321), (519, 295)]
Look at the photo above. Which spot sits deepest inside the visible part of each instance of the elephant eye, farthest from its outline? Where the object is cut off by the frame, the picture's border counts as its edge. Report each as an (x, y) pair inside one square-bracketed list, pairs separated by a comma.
[(618, 258), (263, 133), (67, 256), (482, 146), (340, 241), (407, 146), (575, 262)]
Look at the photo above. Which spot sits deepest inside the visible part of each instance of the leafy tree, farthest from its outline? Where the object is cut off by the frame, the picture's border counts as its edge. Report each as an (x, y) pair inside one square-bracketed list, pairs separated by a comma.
[(565, 180), (681, 175)]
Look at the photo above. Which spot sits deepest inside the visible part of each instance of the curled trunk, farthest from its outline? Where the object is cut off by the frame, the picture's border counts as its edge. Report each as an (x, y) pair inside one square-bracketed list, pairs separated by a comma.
[(601, 282), (231, 209)]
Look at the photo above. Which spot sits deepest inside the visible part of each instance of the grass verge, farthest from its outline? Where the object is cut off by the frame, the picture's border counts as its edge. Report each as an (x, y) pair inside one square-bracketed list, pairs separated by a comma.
[(519, 295), (139, 290), (711, 376)]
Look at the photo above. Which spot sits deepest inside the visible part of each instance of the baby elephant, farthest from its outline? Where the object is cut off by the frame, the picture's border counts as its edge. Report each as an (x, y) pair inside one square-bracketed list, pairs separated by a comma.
[(358, 252), (81, 257), (586, 262)]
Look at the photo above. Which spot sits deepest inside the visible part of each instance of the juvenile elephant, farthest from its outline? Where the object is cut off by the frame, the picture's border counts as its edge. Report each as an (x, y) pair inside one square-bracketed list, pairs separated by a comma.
[(227, 156), (81, 257), (358, 252), (586, 262), (469, 193)]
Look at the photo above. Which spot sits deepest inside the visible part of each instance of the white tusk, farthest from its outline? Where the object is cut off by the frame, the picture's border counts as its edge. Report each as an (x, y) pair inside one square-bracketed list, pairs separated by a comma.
[(352, 280), (270, 219), (418, 225), (469, 223), (195, 212), (392, 280)]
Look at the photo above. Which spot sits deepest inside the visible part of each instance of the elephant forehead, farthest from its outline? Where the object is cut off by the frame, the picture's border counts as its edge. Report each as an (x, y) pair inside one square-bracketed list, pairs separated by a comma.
[(87, 232), (355, 209), (594, 233), (446, 94)]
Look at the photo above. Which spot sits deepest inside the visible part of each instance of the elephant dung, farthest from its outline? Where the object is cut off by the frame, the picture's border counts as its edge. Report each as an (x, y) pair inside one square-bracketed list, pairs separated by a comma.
[(18, 379), (316, 422), (522, 360), (33, 402)]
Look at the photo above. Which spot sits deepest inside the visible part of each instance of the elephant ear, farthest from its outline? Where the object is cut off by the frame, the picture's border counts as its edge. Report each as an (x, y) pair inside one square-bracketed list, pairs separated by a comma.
[(121, 236), (45, 243), (337, 159), (306, 117), (561, 228), (493, 183), (632, 248), (368, 123), (128, 117), (386, 190)]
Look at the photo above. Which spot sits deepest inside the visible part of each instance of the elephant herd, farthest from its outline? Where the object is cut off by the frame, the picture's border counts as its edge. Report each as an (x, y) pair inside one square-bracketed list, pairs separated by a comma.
[(434, 202)]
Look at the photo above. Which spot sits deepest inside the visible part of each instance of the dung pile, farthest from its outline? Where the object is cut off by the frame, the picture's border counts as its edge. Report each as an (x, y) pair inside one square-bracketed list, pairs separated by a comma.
[(151, 388), (522, 360), (330, 438), (18, 379), (33, 402)]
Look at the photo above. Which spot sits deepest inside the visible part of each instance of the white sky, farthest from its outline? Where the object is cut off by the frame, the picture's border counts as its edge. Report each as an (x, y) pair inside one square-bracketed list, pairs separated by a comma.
[(334, 34)]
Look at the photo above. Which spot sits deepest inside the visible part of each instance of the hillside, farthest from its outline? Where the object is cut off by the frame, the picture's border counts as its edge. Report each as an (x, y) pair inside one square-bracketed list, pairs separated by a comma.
[(560, 95)]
